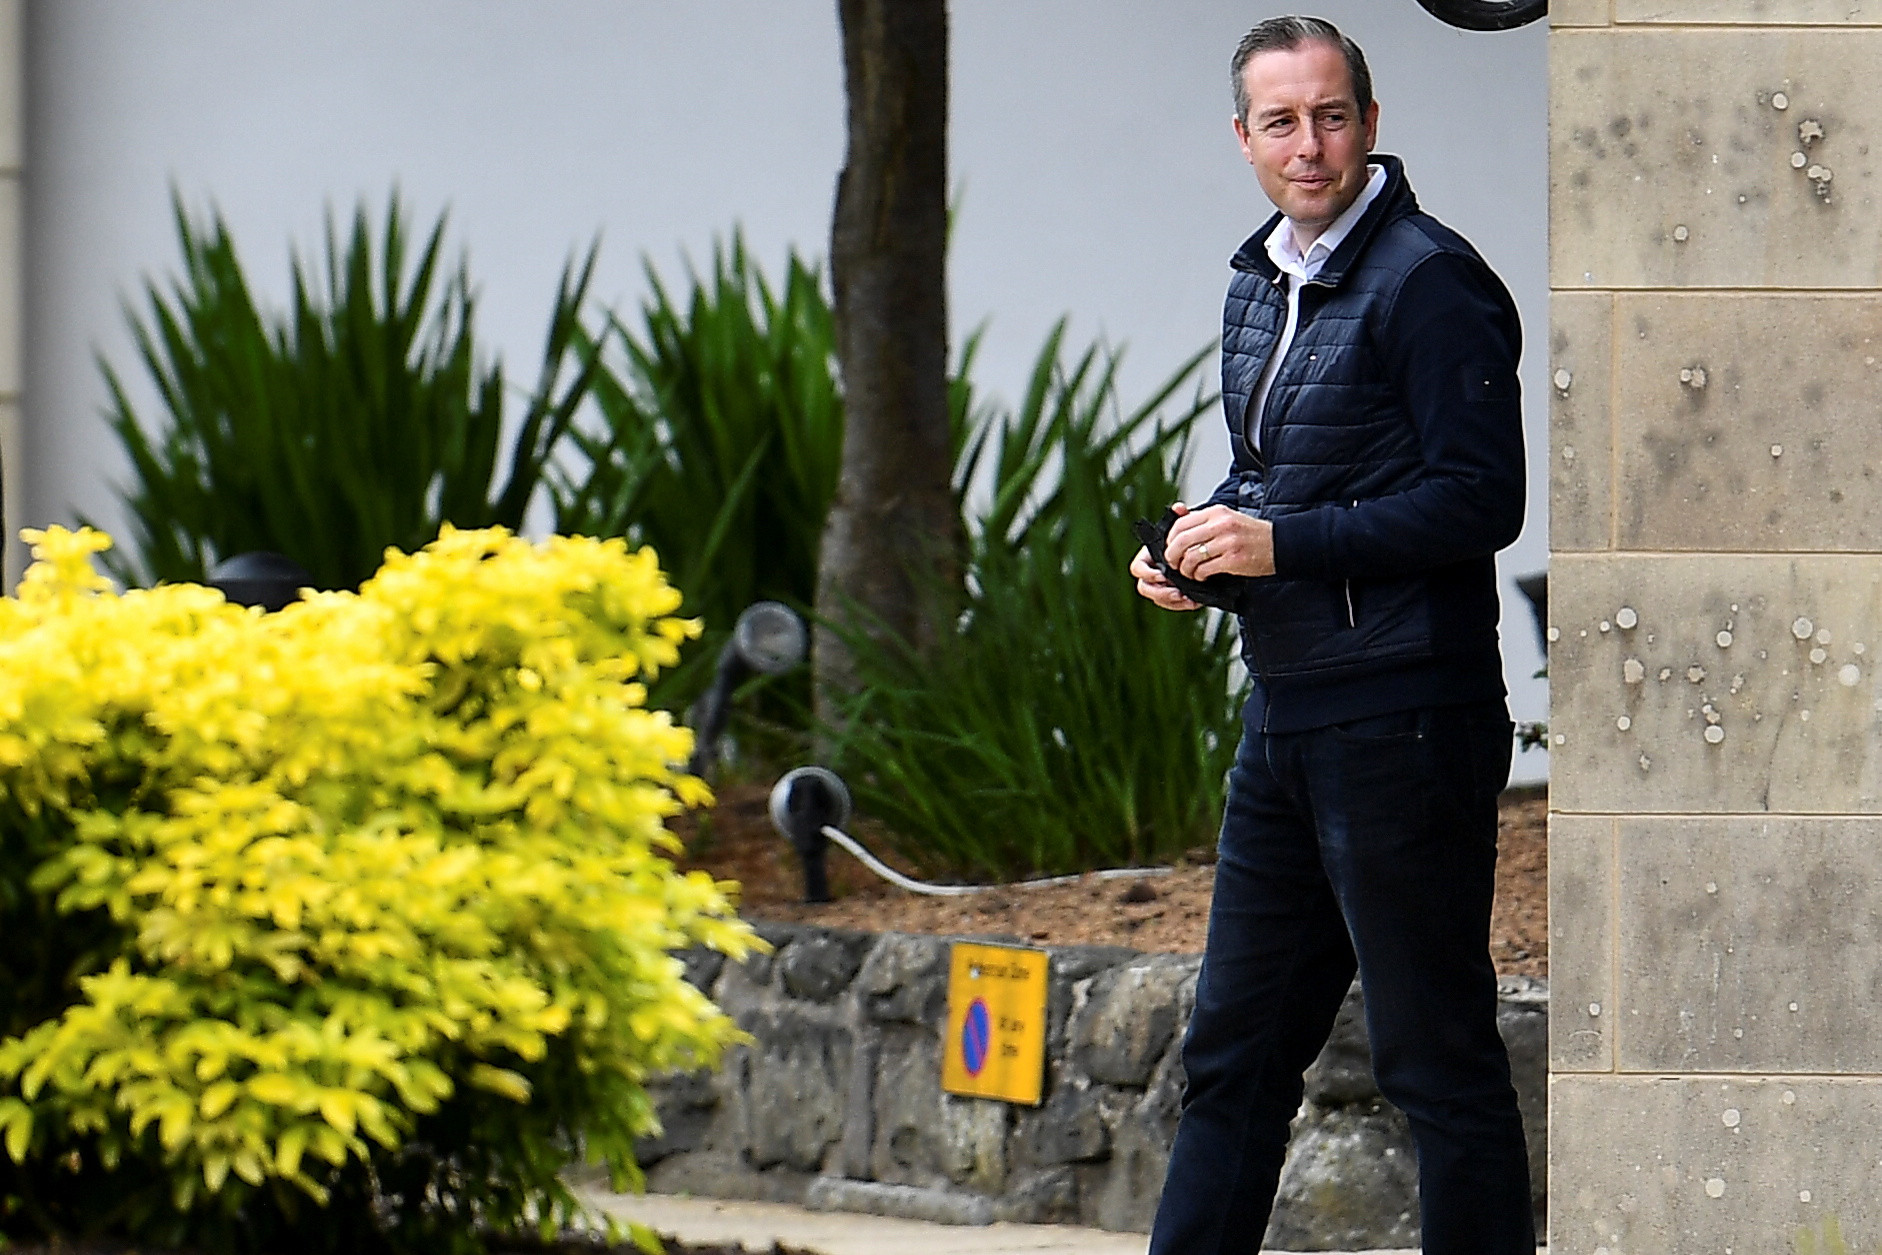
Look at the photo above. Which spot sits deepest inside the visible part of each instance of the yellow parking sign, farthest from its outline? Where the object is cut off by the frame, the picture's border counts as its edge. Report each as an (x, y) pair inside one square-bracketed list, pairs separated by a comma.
[(995, 1045)]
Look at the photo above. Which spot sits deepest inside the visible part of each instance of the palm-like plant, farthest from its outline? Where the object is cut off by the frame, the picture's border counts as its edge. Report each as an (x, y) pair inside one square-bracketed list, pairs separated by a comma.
[(720, 443), (1067, 724), (362, 417), (721, 436)]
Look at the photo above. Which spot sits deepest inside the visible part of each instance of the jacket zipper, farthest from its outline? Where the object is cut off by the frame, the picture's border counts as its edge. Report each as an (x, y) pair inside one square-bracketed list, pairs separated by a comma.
[(1248, 442), (1352, 616)]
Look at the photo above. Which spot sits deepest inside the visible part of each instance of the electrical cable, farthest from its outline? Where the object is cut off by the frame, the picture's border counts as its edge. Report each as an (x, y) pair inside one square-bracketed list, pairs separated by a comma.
[(894, 877)]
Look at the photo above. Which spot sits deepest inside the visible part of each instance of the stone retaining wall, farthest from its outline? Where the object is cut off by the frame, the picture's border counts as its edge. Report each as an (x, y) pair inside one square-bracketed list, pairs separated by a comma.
[(838, 1102)]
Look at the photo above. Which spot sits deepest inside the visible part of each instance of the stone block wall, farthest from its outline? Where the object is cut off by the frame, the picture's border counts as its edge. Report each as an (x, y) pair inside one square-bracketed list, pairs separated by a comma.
[(12, 265), (1716, 617), (838, 1101)]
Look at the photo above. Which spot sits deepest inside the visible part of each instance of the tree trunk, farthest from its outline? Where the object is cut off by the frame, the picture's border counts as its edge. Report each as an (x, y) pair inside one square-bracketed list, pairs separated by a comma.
[(892, 536)]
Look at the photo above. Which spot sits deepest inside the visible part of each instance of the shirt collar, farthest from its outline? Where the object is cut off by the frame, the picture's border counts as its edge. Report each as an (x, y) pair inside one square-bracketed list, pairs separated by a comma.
[(1287, 257)]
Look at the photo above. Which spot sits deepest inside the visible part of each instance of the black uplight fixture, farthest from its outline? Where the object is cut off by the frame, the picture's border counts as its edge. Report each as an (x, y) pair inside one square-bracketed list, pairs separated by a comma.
[(804, 802), (768, 639), (259, 578)]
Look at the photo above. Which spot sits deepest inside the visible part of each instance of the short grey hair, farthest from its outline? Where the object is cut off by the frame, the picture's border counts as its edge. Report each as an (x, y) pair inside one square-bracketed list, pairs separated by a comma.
[(1284, 34)]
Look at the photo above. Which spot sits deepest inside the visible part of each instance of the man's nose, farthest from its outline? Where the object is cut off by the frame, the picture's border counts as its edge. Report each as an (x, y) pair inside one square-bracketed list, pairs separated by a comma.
[(1312, 143)]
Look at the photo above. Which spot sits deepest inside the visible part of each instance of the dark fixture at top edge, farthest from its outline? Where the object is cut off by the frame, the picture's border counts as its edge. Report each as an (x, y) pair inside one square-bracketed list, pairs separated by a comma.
[(1487, 15)]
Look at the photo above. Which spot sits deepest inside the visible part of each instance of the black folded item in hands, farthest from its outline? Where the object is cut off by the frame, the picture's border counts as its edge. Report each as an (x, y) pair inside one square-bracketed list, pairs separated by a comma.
[(1221, 592)]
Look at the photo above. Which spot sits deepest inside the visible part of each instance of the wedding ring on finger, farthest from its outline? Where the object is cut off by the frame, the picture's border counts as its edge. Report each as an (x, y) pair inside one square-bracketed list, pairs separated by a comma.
[(1203, 549)]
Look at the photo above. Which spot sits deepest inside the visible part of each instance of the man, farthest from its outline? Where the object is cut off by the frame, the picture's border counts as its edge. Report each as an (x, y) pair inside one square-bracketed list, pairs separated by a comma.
[(1369, 379)]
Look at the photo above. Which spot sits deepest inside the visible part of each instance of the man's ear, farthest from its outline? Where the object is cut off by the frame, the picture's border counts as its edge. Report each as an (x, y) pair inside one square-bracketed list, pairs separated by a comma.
[(1372, 125), (1241, 137)]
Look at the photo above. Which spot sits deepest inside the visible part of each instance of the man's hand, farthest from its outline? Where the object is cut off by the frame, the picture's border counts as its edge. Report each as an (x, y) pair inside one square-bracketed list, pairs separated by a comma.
[(1155, 587), (1220, 541)]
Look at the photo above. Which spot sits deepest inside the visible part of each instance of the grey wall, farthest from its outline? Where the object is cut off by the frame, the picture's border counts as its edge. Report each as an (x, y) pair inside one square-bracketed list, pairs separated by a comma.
[(1097, 173)]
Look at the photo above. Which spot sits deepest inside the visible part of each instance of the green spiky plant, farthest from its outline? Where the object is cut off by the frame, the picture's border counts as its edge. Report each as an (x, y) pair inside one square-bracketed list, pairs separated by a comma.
[(1067, 724), (720, 441), (720, 438), (362, 417)]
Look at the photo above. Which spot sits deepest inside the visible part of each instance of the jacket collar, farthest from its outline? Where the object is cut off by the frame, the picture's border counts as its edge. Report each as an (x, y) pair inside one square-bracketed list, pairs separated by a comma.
[(1395, 200)]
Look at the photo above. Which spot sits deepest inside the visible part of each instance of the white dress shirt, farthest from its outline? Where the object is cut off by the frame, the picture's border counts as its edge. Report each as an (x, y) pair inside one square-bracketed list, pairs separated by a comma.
[(1300, 268)]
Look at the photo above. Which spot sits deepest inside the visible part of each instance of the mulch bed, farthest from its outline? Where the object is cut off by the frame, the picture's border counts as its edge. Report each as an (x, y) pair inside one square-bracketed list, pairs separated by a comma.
[(1168, 914)]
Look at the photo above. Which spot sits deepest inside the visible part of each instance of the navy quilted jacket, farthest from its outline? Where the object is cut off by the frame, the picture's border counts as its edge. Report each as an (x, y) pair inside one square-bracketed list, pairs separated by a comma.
[(1390, 463)]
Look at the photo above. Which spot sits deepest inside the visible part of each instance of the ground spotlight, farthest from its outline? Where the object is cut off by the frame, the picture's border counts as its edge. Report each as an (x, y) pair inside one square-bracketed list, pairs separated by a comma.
[(259, 578), (803, 803), (768, 639)]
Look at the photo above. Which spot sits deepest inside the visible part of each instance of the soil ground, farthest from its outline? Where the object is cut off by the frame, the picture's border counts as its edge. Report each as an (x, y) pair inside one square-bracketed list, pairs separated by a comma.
[(1169, 914)]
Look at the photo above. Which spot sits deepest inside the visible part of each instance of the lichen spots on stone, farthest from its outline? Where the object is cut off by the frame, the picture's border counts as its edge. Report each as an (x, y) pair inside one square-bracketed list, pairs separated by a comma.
[(1632, 672), (1802, 628), (1695, 673), (1715, 1188), (1563, 380), (1681, 233), (1729, 1117), (1693, 377), (1799, 160), (1777, 450), (1626, 619), (1714, 734), (1850, 676), (1818, 656), (1724, 640), (1624, 723), (1780, 101), (1809, 131)]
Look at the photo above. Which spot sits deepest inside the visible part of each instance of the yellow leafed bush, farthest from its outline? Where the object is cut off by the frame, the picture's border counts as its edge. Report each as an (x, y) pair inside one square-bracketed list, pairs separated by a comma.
[(347, 926)]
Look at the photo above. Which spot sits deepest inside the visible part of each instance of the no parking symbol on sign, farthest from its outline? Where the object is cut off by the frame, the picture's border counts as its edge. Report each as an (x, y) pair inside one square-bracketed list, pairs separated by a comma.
[(995, 1045)]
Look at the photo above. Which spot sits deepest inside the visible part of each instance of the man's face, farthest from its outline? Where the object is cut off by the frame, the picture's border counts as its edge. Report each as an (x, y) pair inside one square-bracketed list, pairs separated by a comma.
[(1304, 134)]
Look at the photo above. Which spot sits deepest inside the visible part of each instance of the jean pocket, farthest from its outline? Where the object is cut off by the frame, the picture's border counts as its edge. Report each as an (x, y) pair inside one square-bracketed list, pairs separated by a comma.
[(1398, 726)]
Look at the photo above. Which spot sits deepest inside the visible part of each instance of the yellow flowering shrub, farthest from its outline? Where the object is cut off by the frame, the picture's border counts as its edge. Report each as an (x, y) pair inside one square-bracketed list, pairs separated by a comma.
[(359, 911)]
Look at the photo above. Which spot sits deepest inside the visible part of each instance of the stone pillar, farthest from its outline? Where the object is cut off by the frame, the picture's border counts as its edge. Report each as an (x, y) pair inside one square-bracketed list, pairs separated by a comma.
[(1715, 357), (12, 265)]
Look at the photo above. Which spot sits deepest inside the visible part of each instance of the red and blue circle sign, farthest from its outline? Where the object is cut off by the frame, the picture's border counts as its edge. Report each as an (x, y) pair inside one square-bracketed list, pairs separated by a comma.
[(976, 1037)]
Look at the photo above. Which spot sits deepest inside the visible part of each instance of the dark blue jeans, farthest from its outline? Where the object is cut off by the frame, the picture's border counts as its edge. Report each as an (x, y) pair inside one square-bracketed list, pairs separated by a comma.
[(1367, 846)]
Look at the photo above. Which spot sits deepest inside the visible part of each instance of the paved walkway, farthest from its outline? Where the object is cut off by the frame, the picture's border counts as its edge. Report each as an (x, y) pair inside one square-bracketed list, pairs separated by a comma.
[(758, 1225)]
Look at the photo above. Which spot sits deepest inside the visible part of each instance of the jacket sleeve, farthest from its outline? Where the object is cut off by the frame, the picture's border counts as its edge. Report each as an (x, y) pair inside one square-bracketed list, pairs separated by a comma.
[(1228, 492), (1449, 345)]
